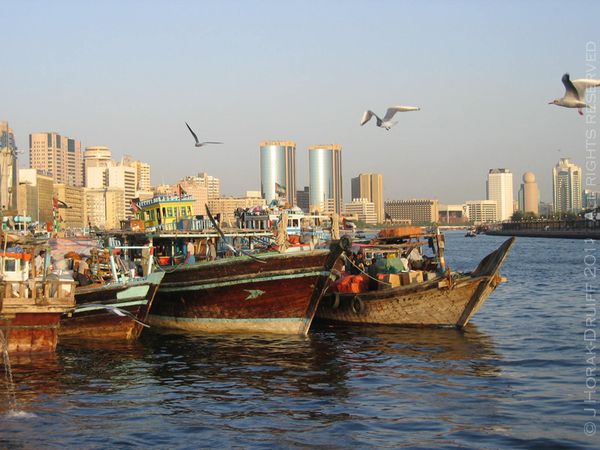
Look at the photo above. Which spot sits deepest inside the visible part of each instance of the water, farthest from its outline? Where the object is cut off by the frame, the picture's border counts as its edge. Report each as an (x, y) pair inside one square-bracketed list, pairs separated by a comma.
[(515, 378)]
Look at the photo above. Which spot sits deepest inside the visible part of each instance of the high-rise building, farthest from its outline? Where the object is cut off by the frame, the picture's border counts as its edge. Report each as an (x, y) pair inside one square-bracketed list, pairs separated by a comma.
[(8, 168), (104, 207), (499, 187), (370, 186), (278, 171), (529, 194), (75, 215), (325, 174), (196, 187), (123, 177), (566, 187), (482, 211), (363, 209), (35, 197), (591, 199), (213, 184), (142, 173), (303, 199), (59, 157), (423, 211)]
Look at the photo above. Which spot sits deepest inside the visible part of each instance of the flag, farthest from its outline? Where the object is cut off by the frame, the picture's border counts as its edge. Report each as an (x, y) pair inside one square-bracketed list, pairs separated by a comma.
[(56, 203), (180, 191), (388, 217), (135, 207), (279, 189)]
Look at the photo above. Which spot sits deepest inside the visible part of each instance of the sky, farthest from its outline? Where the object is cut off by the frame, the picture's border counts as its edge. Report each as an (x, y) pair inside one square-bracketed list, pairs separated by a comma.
[(128, 74)]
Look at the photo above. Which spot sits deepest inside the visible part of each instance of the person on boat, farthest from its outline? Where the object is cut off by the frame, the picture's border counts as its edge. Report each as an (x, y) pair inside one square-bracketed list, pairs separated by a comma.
[(191, 250), (83, 273), (372, 272), (146, 254), (39, 262), (211, 251)]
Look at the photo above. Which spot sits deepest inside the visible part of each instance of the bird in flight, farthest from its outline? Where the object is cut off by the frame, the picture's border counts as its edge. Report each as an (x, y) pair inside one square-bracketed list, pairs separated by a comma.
[(198, 143), (575, 93), (386, 122), (110, 308)]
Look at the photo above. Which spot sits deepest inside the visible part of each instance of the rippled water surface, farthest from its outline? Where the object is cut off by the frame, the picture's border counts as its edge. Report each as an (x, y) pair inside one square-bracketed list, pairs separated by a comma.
[(515, 378)]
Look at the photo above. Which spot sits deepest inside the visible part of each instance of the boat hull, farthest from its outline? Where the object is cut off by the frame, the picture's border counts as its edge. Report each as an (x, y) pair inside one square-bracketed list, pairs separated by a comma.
[(30, 314), (91, 321), (30, 332), (441, 302), (242, 295)]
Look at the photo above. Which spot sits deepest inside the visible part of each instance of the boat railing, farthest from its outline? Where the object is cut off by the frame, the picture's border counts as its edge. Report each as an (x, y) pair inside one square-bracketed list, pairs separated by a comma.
[(37, 292)]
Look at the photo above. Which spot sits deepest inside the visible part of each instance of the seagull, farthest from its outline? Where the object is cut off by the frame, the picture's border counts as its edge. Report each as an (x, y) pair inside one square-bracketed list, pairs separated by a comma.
[(575, 93), (112, 309), (198, 143), (386, 121)]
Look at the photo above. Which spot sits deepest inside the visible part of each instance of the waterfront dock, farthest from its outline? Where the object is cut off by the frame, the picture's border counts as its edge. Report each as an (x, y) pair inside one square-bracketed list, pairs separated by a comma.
[(561, 229)]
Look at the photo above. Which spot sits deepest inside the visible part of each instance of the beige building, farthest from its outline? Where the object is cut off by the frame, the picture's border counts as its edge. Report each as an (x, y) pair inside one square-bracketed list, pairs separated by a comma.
[(529, 194), (57, 156), (453, 214), (226, 206), (566, 187), (370, 187), (363, 209), (73, 196), (198, 189), (104, 207), (418, 211), (35, 196), (482, 211)]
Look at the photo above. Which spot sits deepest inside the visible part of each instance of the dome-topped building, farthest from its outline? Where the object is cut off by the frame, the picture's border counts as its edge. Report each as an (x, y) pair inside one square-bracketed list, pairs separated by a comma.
[(529, 195)]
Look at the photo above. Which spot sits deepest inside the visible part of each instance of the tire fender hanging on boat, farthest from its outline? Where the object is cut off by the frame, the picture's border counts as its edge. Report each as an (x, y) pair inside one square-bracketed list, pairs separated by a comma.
[(357, 305)]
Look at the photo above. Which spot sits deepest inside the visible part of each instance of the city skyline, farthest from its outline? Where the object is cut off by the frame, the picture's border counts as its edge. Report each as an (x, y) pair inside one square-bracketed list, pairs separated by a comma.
[(487, 108)]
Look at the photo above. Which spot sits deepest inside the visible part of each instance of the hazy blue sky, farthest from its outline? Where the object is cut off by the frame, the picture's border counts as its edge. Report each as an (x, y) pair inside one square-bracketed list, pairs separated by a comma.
[(127, 74)]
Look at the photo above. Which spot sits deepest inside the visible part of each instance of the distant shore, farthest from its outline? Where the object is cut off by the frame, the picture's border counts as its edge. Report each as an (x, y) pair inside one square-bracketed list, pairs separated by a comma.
[(557, 234)]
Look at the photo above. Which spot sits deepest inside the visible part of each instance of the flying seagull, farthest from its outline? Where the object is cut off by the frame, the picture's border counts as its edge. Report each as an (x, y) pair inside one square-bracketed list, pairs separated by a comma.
[(575, 93), (229, 246), (386, 122), (112, 309), (198, 143)]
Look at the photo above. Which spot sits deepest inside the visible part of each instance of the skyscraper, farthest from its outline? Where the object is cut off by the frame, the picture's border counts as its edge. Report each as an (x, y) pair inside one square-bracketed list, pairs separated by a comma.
[(499, 187), (529, 195), (278, 170), (325, 173), (370, 186), (59, 157), (8, 168), (566, 186)]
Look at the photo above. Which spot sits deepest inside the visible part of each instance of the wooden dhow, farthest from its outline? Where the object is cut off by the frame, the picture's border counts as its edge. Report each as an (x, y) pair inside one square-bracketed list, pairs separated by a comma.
[(31, 304), (117, 304), (446, 300), (277, 294)]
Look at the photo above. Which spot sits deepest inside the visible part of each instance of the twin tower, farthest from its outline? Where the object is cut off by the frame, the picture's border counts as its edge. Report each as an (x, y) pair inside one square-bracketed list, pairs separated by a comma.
[(278, 174)]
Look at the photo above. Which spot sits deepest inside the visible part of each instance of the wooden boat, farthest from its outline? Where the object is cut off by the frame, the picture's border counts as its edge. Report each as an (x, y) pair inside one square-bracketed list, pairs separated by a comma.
[(449, 299), (117, 306), (278, 294), (95, 318), (30, 305)]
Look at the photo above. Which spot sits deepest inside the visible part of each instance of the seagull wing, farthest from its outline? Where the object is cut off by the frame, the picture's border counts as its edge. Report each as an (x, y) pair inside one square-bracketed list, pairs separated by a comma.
[(571, 91), (112, 309), (394, 109), (367, 116), (210, 142), (193, 134), (582, 84)]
